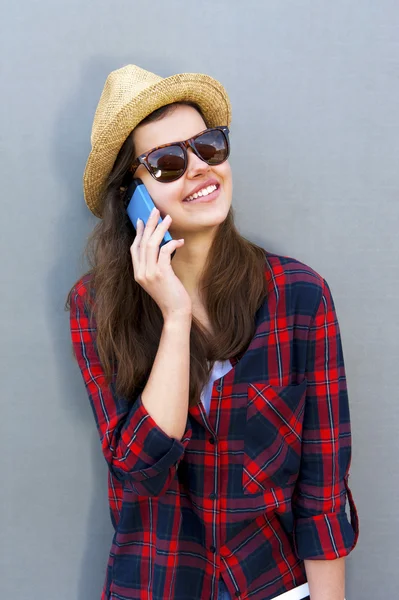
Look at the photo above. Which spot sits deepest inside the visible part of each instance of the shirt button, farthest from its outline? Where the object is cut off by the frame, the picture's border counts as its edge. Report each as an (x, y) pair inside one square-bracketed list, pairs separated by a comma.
[(213, 496), (212, 549), (211, 440), (237, 594), (219, 388)]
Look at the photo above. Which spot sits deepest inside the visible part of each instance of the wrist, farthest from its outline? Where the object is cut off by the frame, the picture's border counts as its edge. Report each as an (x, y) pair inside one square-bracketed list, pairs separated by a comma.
[(178, 318)]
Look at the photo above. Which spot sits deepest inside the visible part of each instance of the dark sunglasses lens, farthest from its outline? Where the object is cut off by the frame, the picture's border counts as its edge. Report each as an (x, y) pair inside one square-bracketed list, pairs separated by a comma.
[(167, 164), (212, 146)]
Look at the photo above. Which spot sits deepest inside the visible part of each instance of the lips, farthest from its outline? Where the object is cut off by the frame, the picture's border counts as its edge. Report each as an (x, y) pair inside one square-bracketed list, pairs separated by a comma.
[(202, 186), (204, 199)]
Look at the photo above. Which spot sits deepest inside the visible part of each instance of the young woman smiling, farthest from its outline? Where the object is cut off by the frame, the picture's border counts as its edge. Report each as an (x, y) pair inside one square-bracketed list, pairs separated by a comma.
[(214, 367)]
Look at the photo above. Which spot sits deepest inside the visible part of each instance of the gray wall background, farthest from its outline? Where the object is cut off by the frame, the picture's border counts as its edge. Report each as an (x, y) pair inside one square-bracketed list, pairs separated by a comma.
[(315, 133)]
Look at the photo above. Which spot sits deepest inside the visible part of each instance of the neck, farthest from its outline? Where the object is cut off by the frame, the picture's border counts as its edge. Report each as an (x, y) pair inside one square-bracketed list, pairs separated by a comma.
[(189, 261)]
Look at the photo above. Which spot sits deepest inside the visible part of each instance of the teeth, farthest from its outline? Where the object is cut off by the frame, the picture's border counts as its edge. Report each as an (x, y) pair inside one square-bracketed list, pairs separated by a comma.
[(203, 192)]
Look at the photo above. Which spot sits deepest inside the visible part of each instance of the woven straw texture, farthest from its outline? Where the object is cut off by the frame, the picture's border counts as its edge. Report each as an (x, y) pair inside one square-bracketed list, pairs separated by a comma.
[(130, 94)]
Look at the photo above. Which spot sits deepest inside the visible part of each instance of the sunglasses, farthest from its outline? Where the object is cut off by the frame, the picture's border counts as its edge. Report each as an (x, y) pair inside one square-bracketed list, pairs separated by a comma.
[(169, 162)]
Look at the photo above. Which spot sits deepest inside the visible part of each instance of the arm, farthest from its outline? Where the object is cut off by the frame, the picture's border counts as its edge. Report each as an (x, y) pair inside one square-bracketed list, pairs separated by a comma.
[(326, 578), (322, 531), (142, 441), (169, 378)]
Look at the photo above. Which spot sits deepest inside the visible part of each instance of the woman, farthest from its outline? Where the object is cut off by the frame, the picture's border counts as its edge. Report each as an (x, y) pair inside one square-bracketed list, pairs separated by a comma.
[(217, 378)]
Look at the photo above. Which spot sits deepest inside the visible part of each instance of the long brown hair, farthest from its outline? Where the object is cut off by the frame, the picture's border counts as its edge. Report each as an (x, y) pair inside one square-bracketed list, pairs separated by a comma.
[(128, 322)]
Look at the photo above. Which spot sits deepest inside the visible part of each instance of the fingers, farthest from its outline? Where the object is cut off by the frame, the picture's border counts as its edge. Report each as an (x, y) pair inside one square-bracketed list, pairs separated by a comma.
[(145, 250), (167, 250), (154, 240), (149, 228), (143, 233), (135, 248)]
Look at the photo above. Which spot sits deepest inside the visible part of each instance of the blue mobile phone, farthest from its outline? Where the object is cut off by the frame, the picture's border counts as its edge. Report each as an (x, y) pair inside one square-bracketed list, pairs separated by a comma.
[(140, 205)]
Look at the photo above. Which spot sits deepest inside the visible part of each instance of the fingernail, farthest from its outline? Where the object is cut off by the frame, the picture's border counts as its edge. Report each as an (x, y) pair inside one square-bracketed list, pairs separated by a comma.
[(138, 223)]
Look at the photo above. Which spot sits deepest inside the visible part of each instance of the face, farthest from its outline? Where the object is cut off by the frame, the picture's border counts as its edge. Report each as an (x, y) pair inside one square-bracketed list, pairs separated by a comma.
[(181, 124)]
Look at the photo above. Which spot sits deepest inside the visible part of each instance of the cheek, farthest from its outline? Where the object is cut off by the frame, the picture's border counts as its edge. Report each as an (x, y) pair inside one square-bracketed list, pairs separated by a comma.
[(165, 195), (224, 172)]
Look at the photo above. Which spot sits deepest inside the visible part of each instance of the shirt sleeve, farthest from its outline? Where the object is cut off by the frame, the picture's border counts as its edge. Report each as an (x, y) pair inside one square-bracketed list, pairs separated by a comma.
[(321, 526), (138, 452)]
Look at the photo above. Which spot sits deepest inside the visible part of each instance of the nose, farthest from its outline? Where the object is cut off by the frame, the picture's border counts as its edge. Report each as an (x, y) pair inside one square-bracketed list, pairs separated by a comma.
[(195, 166)]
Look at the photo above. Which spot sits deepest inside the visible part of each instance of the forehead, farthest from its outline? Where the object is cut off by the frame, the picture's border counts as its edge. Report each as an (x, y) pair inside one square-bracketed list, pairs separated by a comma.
[(180, 124)]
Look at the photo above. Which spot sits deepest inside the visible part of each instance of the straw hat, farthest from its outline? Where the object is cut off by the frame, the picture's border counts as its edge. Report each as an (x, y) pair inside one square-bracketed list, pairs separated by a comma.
[(130, 94)]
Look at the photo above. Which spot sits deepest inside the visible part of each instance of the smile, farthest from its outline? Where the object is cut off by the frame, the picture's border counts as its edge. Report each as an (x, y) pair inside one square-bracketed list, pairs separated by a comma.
[(206, 191)]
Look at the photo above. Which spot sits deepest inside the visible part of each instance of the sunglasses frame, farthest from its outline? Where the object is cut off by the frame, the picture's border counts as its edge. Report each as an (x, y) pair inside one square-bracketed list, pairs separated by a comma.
[(143, 158)]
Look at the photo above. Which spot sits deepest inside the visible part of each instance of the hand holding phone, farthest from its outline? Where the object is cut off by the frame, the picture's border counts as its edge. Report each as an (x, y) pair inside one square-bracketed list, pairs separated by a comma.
[(153, 270)]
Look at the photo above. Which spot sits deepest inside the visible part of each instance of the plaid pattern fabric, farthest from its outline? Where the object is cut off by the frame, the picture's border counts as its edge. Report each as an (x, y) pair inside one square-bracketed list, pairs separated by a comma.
[(253, 488)]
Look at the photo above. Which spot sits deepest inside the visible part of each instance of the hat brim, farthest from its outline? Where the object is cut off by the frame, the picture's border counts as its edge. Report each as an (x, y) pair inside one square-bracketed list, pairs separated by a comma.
[(202, 89)]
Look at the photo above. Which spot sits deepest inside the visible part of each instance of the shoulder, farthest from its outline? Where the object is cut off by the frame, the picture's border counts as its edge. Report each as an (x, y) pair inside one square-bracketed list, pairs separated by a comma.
[(82, 292), (301, 285)]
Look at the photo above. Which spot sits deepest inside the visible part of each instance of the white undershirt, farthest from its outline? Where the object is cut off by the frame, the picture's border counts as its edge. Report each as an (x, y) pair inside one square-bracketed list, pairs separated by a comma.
[(220, 368)]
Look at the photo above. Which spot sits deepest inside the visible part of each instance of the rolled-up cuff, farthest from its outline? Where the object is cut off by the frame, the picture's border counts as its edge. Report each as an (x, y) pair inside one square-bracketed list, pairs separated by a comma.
[(154, 452), (327, 536)]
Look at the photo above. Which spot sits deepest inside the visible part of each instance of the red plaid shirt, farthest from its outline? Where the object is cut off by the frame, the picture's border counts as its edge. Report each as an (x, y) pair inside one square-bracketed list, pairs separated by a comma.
[(253, 488)]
